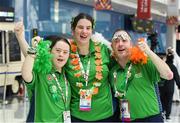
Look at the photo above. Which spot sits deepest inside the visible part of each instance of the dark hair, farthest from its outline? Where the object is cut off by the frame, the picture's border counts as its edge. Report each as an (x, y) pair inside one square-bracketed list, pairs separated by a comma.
[(54, 39), (75, 20), (169, 58)]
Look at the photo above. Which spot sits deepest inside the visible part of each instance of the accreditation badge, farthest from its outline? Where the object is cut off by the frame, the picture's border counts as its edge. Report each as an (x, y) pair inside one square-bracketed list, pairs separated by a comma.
[(85, 100), (124, 110), (67, 117)]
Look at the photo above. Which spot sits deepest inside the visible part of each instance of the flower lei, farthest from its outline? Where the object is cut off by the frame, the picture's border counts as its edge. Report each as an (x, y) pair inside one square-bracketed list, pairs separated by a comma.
[(98, 62), (137, 56)]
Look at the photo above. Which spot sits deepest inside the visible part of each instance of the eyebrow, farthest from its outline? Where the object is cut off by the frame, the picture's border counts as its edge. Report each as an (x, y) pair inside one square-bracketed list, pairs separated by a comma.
[(61, 49), (83, 26)]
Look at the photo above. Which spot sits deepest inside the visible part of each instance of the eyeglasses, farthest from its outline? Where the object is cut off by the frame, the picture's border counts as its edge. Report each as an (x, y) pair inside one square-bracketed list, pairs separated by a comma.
[(62, 51)]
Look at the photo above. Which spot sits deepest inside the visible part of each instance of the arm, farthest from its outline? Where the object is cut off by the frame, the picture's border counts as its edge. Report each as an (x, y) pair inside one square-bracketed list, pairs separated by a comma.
[(28, 67), (19, 32), (162, 67)]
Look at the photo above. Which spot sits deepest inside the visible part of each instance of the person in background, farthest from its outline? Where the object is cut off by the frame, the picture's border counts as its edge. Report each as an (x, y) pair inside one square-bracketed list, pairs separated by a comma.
[(167, 90), (134, 76), (176, 62), (87, 71), (48, 80)]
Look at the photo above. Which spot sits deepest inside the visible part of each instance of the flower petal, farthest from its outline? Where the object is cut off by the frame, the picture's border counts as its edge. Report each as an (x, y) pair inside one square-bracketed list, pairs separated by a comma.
[(99, 68), (97, 55), (77, 74), (97, 48), (98, 61)]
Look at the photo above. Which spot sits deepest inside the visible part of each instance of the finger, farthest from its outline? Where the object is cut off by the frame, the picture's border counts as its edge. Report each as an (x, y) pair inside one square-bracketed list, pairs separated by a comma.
[(37, 38), (141, 39), (17, 26), (35, 41), (140, 43), (20, 22)]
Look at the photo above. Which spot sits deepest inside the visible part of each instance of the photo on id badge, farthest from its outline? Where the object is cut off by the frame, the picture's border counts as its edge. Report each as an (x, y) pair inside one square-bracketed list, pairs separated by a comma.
[(124, 110), (85, 101)]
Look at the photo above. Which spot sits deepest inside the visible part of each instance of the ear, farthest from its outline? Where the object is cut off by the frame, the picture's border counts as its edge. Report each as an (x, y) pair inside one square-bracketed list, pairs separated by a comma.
[(112, 53), (111, 44)]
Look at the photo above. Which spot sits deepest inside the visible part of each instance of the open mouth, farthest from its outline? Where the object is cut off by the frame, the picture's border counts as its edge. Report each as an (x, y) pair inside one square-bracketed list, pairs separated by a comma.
[(83, 37), (120, 50), (60, 60)]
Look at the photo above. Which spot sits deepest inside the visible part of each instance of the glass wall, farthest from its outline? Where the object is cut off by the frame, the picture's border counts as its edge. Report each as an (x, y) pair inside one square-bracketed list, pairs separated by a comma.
[(160, 29), (107, 22), (67, 10), (14, 49), (1, 55), (54, 17)]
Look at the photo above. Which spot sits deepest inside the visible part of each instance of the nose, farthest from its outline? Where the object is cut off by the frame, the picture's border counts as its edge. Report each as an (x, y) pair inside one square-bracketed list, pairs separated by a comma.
[(119, 43), (61, 53), (84, 30)]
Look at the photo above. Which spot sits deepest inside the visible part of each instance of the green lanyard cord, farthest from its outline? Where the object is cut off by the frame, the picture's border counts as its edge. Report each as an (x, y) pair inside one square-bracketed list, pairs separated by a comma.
[(128, 74)]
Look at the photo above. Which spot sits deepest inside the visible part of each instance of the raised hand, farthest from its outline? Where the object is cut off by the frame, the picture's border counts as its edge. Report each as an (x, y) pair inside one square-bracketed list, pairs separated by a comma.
[(19, 29), (20, 35), (143, 46)]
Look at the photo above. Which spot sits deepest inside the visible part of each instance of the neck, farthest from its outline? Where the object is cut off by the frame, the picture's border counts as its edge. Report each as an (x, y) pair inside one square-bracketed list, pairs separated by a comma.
[(83, 48), (59, 70), (122, 62)]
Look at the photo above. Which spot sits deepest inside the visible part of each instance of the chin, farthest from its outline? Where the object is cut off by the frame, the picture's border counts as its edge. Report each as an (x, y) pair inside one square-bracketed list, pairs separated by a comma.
[(122, 56), (60, 65), (84, 40)]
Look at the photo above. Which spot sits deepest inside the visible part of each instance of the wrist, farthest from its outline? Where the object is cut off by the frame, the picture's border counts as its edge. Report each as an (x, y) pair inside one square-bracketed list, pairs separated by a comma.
[(31, 56), (31, 50), (148, 52)]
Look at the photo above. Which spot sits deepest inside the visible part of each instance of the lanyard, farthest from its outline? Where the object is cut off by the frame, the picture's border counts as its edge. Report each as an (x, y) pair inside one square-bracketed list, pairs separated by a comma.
[(84, 72), (60, 88), (128, 74)]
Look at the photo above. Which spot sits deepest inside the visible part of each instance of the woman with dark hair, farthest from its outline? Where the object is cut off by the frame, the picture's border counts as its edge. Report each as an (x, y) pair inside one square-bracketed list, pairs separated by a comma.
[(43, 72), (87, 71), (167, 90)]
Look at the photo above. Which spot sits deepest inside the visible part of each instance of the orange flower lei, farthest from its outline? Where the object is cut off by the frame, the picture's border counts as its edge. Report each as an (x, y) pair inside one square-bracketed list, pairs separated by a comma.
[(137, 56), (98, 62)]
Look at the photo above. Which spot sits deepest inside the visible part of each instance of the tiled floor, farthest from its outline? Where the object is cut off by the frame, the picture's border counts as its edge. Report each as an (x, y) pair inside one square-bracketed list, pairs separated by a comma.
[(175, 114), (16, 110)]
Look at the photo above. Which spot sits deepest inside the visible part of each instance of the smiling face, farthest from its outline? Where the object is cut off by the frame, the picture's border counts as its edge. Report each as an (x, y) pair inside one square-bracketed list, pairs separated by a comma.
[(83, 31), (121, 43), (60, 53)]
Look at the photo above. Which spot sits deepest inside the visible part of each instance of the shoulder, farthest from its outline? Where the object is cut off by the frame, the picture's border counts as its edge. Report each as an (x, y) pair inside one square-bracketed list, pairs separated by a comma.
[(104, 48), (102, 43)]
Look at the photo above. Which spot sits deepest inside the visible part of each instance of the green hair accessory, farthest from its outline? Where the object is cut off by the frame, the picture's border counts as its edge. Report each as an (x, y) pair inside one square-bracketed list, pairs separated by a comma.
[(43, 63)]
